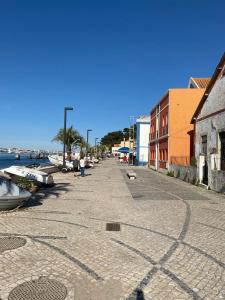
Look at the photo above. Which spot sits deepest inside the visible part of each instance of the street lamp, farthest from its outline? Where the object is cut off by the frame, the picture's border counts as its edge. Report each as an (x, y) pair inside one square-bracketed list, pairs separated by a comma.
[(88, 130), (64, 135)]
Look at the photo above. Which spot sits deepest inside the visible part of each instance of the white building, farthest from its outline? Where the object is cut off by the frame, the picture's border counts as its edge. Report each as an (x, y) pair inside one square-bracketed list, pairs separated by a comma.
[(115, 149), (209, 120), (142, 145)]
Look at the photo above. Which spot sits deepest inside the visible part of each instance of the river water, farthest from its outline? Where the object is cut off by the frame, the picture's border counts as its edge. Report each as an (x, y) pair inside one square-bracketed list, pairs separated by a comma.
[(7, 160)]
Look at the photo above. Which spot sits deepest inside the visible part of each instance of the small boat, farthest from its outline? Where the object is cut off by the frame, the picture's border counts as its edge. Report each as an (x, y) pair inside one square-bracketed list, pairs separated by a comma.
[(31, 174), (46, 168), (57, 160), (11, 195)]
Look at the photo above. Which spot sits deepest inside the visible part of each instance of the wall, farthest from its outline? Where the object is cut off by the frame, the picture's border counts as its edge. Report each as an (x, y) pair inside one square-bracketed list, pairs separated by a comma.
[(218, 181), (188, 174), (183, 103), (143, 130), (212, 126)]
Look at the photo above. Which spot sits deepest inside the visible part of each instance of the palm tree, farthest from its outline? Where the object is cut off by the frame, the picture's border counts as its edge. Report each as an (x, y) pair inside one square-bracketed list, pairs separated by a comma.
[(82, 143), (72, 135)]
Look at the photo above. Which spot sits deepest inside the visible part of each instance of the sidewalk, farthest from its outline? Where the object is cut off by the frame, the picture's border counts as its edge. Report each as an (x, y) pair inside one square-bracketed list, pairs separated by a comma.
[(171, 243)]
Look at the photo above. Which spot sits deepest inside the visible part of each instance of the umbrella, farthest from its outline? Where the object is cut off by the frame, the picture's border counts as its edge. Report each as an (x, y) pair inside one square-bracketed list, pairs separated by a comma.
[(123, 150)]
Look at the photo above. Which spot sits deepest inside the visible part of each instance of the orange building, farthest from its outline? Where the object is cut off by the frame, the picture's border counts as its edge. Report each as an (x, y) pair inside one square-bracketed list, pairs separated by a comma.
[(171, 134)]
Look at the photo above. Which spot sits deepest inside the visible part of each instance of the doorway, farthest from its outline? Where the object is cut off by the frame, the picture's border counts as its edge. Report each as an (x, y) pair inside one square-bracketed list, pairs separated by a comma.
[(222, 143), (205, 166)]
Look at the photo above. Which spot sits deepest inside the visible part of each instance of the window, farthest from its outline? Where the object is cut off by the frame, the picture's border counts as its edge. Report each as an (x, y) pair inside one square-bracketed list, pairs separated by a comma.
[(204, 144)]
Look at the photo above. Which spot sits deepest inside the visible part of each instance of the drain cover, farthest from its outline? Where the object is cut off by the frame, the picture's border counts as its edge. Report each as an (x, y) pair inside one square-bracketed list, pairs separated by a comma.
[(112, 226), (10, 243), (40, 289)]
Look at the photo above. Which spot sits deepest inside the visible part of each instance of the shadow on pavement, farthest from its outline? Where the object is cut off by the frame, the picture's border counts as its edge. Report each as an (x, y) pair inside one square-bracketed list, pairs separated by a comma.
[(44, 193)]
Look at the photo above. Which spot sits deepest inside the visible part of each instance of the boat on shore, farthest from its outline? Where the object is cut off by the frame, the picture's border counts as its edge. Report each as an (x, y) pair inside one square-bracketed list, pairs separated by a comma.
[(31, 174), (57, 160), (11, 195)]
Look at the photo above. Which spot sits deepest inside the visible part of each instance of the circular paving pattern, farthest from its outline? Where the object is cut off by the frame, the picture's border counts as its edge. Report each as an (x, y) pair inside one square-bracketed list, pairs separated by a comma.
[(10, 243), (40, 289)]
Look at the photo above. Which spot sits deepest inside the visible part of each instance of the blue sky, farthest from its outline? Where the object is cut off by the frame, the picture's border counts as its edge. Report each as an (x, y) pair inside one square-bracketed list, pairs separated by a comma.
[(108, 59)]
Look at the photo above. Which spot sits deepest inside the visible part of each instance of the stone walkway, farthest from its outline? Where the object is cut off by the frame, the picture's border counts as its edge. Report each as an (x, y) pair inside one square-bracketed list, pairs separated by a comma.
[(171, 244)]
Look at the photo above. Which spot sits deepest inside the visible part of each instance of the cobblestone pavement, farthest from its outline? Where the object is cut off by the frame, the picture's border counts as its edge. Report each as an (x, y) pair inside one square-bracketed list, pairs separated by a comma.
[(171, 244)]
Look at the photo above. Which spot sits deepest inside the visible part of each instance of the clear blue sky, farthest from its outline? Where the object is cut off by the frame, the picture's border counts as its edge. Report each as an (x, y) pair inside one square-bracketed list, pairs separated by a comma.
[(109, 59)]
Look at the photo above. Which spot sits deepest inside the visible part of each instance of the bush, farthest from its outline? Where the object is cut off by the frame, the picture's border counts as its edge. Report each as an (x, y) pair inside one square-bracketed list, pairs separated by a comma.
[(26, 184), (170, 173), (193, 161)]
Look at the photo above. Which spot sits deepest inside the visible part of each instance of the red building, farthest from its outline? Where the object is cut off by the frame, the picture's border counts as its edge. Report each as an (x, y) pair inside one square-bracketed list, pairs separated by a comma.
[(171, 134)]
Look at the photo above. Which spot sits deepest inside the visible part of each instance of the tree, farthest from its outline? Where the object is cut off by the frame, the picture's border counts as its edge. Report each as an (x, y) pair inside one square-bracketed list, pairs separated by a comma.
[(72, 136), (116, 137), (112, 138)]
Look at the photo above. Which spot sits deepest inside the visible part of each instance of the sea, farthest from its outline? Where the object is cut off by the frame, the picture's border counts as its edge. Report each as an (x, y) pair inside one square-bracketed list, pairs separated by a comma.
[(9, 159)]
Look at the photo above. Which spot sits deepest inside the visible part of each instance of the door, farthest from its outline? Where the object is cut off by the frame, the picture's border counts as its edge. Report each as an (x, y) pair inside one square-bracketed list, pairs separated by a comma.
[(222, 139), (205, 167)]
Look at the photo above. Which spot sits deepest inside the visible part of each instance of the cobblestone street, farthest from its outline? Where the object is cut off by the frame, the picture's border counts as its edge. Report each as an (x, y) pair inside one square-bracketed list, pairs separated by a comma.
[(171, 244)]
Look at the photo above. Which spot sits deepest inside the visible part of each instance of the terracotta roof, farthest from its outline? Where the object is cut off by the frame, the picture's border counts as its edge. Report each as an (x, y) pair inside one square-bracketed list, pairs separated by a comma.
[(212, 81), (202, 83)]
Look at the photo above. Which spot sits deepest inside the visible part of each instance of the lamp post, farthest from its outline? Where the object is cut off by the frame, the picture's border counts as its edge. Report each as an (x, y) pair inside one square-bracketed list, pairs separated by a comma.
[(64, 135), (96, 145), (88, 130)]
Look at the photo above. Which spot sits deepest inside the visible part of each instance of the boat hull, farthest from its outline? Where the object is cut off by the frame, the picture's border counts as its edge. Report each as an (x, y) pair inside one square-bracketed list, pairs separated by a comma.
[(58, 161), (11, 195), (31, 174)]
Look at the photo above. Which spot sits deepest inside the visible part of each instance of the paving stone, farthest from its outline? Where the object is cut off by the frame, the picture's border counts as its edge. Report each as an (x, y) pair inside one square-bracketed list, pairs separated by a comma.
[(171, 243)]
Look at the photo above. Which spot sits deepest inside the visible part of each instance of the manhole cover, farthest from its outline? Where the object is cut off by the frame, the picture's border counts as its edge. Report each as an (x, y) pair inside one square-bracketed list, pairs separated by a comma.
[(40, 289), (10, 243), (112, 226)]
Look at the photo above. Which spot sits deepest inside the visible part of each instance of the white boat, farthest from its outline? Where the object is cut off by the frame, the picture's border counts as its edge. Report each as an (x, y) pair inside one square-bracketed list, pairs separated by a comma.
[(11, 196), (30, 174), (57, 160)]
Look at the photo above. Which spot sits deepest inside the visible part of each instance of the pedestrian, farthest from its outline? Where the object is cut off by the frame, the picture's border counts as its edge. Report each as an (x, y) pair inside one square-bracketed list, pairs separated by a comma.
[(82, 166)]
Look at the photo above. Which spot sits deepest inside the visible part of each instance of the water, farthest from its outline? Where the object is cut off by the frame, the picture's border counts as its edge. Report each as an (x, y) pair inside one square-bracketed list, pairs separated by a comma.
[(7, 160)]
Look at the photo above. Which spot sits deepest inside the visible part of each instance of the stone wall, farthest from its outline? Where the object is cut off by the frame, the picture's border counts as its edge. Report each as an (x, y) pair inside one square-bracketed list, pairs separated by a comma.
[(185, 173), (218, 181)]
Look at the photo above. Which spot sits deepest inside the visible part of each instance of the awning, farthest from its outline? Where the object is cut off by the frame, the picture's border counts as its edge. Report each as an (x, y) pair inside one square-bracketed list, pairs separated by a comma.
[(123, 150)]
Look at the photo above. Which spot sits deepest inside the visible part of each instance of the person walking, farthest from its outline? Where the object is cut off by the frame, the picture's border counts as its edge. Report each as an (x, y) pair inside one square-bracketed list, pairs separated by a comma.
[(82, 166)]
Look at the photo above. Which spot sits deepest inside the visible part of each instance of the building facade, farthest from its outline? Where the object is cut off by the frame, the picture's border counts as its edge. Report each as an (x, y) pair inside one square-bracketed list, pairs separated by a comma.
[(142, 140), (209, 121), (171, 134)]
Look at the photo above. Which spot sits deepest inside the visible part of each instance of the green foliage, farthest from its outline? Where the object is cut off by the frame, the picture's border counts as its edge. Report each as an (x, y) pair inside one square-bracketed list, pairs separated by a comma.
[(26, 184), (73, 137), (193, 161), (112, 138), (115, 137), (170, 173)]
